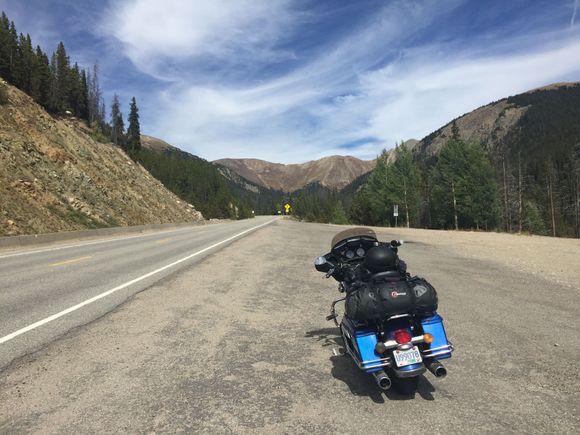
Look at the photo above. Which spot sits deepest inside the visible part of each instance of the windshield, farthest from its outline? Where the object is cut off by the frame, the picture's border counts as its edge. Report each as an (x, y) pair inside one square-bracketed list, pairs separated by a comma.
[(352, 232)]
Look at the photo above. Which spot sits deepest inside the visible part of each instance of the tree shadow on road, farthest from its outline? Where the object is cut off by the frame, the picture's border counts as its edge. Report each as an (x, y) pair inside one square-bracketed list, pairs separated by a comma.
[(359, 382)]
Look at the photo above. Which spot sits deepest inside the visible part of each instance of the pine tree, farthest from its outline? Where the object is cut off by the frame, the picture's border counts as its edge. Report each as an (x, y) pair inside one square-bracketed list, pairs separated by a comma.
[(377, 193), (63, 80), (84, 97), (12, 50), (360, 209), (5, 49), (404, 184), (338, 214), (134, 130), (53, 101), (463, 188), (117, 124), (96, 114), (40, 78)]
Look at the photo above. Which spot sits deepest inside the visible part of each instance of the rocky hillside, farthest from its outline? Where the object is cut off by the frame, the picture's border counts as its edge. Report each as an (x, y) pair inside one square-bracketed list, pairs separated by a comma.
[(512, 124), (332, 172), (54, 177)]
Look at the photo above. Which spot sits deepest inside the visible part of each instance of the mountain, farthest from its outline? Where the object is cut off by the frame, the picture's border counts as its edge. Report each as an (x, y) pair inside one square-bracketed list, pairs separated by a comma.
[(155, 144), (55, 177), (530, 143), (332, 172), (194, 180), (541, 122)]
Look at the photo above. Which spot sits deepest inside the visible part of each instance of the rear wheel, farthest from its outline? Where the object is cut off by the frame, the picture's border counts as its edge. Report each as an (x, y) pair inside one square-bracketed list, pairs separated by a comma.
[(405, 386)]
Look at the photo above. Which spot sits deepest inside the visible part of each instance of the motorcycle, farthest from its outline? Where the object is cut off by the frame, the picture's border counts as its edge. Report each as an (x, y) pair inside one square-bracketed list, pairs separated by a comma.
[(390, 327)]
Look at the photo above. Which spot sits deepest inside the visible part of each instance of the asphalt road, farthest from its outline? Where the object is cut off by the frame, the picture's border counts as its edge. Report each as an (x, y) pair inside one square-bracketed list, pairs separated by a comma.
[(37, 284), (238, 343)]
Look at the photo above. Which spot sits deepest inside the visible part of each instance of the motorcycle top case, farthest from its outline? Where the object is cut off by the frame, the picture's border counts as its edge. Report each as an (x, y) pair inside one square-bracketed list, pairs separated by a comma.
[(377, 300)]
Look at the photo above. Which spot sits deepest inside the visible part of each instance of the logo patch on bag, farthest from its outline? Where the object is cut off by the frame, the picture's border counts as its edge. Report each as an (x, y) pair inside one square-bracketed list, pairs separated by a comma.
[(420, 290), (396, 294)]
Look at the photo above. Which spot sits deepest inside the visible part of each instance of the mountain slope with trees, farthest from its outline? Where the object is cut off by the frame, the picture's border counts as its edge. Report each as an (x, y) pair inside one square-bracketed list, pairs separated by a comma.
[(512, 165), (191, 178)]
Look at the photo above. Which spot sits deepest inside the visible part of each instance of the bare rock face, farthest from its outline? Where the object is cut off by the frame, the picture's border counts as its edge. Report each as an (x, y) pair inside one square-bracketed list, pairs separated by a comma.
[(487, 125), (55, 177), (155, 144), (333, 172)]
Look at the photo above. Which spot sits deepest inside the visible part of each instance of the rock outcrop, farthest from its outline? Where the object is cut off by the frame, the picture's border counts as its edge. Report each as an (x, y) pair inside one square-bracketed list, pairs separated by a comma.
[(55, 177)]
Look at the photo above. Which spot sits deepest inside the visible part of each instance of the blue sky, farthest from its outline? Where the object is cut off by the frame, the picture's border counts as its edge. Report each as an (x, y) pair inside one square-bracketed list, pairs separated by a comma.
[(291, 81)]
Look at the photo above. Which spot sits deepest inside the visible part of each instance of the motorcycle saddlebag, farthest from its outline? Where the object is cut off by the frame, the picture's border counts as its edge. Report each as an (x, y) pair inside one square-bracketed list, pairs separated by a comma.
[(425, 296), (375, 301)]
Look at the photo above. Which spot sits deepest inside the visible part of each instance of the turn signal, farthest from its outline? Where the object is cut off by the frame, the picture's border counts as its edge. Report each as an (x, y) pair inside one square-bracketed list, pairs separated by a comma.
[(428, 338)]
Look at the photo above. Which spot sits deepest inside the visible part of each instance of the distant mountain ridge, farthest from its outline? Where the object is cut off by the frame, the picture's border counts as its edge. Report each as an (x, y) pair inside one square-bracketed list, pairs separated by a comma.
[(334, 172)]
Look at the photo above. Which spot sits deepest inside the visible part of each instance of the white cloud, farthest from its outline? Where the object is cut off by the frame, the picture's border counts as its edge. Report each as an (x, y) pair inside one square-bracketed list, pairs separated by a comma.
[(155, 32), (335, 98)]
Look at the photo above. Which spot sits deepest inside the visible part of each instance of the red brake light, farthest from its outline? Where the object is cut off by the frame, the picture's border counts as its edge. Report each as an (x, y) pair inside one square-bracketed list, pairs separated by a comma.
[(402, 336)]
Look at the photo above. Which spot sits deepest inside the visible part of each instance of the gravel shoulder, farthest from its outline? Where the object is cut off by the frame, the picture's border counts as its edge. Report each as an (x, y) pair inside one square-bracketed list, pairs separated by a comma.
[(238, 343)]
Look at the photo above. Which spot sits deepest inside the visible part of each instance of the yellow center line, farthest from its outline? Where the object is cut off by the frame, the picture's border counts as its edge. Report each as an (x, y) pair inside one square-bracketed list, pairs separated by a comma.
[(72, 260), (162, 241)]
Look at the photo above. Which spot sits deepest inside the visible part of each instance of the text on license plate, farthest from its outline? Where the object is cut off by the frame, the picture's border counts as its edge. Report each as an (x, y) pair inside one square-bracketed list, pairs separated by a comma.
[(407, 357)]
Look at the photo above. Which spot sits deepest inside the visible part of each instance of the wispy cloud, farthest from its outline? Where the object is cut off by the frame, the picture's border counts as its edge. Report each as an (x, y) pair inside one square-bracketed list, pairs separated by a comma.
[(575, 9), (237, 83), (162, 36)]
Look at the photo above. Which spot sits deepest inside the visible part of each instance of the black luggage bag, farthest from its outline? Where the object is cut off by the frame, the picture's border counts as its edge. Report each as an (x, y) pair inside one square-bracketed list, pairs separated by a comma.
[(379, 300)]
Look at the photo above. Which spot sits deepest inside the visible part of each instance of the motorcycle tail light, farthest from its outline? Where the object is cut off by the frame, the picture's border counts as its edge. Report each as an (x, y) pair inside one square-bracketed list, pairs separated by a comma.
[(402, 336)]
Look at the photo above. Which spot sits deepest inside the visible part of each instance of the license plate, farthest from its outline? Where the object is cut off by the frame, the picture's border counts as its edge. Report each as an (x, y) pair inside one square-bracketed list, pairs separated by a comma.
[(407, 357)]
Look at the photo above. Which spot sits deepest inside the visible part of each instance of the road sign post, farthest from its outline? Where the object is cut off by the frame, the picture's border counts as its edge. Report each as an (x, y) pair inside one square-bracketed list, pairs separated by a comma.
[(396, 213)]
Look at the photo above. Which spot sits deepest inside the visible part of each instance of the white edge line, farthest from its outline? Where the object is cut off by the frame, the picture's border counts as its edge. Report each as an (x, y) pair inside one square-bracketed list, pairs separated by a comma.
[(122, 286)]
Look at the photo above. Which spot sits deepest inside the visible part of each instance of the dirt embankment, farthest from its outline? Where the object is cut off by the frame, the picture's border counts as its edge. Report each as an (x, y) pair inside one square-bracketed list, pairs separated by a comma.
[(55, 177)]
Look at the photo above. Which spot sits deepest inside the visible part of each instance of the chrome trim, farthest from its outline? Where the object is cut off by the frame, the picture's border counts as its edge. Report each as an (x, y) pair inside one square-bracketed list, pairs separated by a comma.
[(390, 344), (433, 355), (398, 316), (446, 347), (441, 350), (382, 362), (418, 339), (406, 346)]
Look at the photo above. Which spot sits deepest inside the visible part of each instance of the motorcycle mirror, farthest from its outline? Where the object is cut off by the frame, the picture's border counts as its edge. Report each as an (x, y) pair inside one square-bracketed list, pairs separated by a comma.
[(322, 265)]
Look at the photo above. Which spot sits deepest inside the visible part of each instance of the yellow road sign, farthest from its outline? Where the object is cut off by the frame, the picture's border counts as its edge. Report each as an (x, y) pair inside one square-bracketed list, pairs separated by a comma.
[(287, 207)]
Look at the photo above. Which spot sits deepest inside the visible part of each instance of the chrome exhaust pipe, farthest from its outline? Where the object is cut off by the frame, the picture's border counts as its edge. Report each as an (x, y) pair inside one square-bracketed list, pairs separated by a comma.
[(383, 381), (437, 369)]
